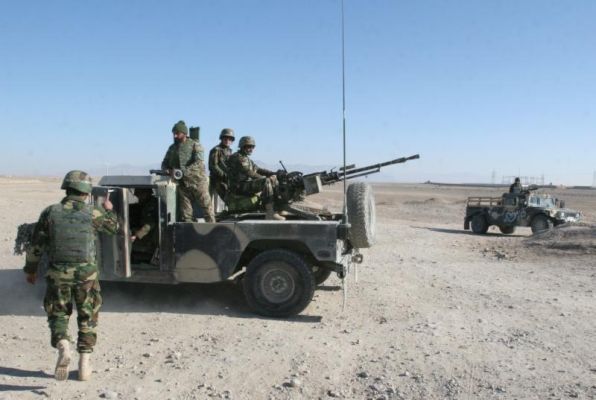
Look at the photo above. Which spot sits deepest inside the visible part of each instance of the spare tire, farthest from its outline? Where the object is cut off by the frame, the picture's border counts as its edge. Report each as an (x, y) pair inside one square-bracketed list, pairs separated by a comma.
[(361, 215)]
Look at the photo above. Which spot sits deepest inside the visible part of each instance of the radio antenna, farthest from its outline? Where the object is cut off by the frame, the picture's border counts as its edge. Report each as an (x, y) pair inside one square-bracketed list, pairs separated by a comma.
[(343, 99)]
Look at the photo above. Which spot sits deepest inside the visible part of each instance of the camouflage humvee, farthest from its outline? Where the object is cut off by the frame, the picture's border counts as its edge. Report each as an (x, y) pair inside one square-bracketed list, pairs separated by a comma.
[(280, 262), (539, 211)]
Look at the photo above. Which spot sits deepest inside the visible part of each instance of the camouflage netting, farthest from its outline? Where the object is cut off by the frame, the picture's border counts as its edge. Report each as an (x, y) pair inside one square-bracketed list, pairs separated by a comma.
[(24, 233)]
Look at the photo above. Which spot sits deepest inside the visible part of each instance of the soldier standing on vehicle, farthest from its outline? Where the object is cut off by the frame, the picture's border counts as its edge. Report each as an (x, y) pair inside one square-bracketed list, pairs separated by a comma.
[(245, 178), (218, 156), (516, 186), (66, 232), (187, 155)]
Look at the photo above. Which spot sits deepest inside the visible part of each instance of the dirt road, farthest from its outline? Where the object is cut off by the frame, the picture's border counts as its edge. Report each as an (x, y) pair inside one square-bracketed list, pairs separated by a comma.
[(435, 313)]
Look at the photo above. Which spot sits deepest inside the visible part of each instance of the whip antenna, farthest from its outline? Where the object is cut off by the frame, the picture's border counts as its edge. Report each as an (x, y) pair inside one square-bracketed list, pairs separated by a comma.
[(343, 99)]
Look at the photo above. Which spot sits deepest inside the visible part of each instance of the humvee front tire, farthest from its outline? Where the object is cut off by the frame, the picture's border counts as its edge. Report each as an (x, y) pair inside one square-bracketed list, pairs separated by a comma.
[(479, 224), (361, 215), (507, 230), (540, 223), (278, 283)]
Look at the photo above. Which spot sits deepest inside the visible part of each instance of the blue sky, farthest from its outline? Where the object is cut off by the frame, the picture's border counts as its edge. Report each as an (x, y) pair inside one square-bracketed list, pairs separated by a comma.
[(473, 86)]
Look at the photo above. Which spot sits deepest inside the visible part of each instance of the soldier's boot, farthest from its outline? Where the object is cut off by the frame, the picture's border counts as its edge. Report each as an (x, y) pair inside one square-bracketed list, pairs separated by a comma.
[(271, 214), (61, 372), (84, 366)]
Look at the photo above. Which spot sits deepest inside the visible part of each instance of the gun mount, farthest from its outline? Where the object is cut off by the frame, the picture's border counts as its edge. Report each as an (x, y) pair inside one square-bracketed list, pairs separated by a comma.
[(294, 186)]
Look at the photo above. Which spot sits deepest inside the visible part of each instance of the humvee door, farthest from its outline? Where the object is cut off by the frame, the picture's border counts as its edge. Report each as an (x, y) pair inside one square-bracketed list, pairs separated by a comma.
[(113, 251)]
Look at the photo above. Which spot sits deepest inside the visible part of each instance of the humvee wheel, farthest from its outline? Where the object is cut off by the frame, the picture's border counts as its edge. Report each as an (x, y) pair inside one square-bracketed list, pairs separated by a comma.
[(540, 223), (321, 274), (361, 215), (278, 283), (507, 230), (479, 224)]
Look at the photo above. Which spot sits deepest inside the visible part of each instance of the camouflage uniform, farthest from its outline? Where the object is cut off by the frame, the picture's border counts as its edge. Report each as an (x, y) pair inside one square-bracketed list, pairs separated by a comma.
[(218, 179), (188, 157), (245, 178), (73, 272)]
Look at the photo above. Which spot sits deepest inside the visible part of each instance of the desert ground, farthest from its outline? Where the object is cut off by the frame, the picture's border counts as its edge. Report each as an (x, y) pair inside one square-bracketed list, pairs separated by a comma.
[(434, 312)]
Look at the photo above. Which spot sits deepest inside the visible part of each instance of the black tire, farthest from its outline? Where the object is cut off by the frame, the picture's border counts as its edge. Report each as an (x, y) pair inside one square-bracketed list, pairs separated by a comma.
[(321, 274), (507, 230), (540, 223), (479, 224), (278, 283), (361, 215)]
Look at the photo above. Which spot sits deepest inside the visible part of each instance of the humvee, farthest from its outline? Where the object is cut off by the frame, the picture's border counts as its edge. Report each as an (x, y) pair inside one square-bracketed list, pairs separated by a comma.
[(279, 262), (539, 211)]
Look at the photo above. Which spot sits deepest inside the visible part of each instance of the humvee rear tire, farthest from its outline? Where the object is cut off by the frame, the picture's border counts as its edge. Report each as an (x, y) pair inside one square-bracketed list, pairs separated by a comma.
[(361, 215), (507, 230), (321, 274), (479, 224), (278, 283), (540, 223)]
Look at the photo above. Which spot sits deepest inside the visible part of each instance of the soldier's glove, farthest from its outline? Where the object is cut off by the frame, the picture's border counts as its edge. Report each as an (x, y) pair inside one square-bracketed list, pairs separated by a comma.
[(31, 278)]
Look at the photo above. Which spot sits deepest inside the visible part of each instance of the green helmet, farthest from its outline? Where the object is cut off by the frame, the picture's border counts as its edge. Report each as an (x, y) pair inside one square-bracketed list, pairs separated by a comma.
[(180, 126), (246, 141), (77, 180), (227, 132)]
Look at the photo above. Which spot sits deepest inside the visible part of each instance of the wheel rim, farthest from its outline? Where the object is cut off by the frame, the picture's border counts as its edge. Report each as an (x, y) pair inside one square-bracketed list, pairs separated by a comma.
[(277, 285)]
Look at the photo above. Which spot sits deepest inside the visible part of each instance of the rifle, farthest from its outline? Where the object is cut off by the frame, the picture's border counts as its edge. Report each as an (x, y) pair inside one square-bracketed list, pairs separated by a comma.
[(294, 186)]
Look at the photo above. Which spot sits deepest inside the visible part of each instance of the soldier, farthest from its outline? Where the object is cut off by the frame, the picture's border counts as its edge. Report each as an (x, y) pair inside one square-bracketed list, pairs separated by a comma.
[(218, 156), (516, 186), (144, 234), (245, 178), (186, 154), (66, 232)]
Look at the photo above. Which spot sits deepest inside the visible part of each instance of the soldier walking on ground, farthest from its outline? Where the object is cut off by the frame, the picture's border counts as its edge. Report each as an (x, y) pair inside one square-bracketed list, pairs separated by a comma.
[(246, 179), (66, 232), (218, 157), (187, 155), (516, 186)]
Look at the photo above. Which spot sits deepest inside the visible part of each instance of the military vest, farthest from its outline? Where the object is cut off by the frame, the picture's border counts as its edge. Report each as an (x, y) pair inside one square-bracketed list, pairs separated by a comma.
[(72, 237)]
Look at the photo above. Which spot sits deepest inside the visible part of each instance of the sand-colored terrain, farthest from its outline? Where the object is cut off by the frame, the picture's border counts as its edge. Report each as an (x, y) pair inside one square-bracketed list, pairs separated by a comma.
[(435, 313)]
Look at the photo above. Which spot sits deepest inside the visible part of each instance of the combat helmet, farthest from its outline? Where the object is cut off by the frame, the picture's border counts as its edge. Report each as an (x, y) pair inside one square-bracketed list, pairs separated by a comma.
[(77, 180), (247, 141), (227, 132)]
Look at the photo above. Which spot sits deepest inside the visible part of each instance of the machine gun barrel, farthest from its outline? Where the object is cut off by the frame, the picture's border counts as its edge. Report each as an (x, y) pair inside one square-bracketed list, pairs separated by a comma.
[(352, 172), (377, 167)]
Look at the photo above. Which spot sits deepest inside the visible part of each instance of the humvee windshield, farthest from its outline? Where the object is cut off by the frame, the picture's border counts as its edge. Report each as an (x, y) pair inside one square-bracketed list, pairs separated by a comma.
[(543, 202)]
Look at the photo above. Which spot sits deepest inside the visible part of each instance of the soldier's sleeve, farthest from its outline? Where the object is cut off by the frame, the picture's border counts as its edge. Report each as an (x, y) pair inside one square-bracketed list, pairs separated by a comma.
[(167, 163), (263, 171), (39, 243), (214, 163), (197, 152), (104, 221), (249, 168)]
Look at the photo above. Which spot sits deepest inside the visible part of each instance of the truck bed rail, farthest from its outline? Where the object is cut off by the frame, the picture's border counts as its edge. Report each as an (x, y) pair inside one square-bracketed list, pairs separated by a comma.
[(484, 201)]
